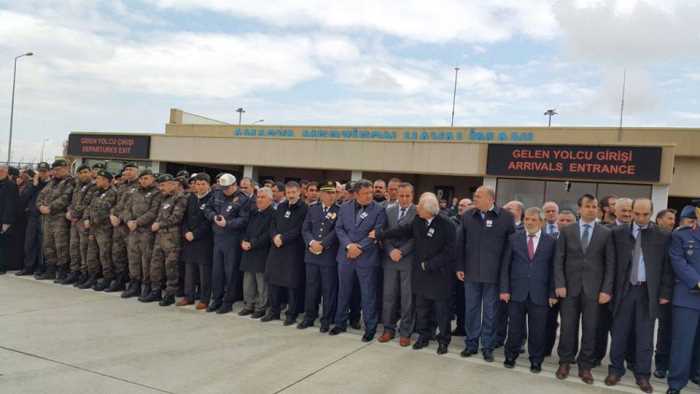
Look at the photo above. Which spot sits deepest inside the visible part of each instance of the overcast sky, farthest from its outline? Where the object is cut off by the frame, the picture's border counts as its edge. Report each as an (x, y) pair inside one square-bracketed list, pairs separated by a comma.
[(121, 65)]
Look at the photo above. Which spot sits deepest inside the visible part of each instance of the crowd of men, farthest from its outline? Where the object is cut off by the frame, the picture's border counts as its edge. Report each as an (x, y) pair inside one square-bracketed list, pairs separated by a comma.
[(510, 276)]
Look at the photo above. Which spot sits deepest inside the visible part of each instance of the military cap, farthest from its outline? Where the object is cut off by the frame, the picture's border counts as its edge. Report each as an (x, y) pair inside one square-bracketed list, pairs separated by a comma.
[(105, 174), (43, 166), (689, 212), (145, 172), (328, 186), (183, 173), (166, 178), (59, 163), (82, 167), (130, 165), (99, 166)]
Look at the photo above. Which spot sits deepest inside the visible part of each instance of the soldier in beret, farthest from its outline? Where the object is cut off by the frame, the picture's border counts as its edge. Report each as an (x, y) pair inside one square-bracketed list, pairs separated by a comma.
[(96, 221)]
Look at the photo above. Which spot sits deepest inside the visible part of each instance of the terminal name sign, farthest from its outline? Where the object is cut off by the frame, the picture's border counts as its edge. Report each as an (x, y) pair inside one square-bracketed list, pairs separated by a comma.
[(118, 146), (637, 164)]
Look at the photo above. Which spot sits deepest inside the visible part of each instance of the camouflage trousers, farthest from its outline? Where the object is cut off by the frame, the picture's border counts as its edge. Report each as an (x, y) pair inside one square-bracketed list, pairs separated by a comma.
[(78, 247), (56, 241), (166, 253), (99, 251), (140, 249), (120, 255)]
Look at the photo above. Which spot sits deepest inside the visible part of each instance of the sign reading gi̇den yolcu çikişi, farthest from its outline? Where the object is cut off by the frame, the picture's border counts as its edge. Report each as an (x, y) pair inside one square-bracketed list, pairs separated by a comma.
[(636, 164), (387, 134), (119, 146)]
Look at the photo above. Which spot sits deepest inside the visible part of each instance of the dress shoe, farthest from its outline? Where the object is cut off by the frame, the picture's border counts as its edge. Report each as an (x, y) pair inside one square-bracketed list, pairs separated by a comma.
[(612, 380), (458, 332), (213, 307), (509, 363), (660, 373), (420, 343), (386, 336), (201, 306), (442, 348), (324, 328), (535, 368), (488, 356), (356, 325), (644, 385), (585, 375), (673, 391), (563, 371), (245, 312), (145, 290), (368, 337), (133, 290), (257, 314), (404, 341), (337, 330), (289, 320), (23, 272), (269, 316), (224, 308), (184, 302), (151, 297), (467, 353), (89, 282), (305, 324), (101, 285), (167, 300)]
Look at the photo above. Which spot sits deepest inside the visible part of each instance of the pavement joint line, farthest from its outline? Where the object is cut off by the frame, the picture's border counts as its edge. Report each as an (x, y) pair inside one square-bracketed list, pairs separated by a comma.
[(320, 369), (65, 364)]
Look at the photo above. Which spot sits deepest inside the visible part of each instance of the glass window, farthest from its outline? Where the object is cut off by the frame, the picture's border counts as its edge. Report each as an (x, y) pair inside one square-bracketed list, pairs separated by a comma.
[(566, 196), (631, 191), (528, 192)]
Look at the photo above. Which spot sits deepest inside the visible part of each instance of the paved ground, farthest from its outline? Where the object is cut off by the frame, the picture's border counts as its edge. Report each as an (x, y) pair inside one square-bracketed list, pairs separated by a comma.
[(56, 339)]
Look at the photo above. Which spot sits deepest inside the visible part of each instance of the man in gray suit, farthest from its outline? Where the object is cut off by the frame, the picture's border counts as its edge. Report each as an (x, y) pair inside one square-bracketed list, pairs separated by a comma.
[(397, 263), (584, 270)]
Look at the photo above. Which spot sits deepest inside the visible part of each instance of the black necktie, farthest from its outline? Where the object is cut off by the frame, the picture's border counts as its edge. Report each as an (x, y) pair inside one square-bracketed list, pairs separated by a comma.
[(402, 213)]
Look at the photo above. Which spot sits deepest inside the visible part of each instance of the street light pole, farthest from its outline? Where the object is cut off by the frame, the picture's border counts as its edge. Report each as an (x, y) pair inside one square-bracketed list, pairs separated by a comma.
[(550, 113), (240, 115), (454, 98), (12, 105), (43, 144)]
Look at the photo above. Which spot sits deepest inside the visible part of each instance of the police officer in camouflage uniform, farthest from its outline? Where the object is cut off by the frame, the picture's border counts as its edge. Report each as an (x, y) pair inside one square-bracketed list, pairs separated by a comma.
[(82, 193), (139, 214), (53, 206), (166, 250), (96, 221), (126, 187)]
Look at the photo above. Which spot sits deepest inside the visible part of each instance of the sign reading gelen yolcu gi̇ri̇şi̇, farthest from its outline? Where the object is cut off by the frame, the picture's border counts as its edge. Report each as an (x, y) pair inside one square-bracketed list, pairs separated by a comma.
[(629, 164), (109, 146)]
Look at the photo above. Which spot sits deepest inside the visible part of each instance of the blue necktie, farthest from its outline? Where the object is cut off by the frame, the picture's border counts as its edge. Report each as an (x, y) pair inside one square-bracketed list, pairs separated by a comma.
[(586, 237)]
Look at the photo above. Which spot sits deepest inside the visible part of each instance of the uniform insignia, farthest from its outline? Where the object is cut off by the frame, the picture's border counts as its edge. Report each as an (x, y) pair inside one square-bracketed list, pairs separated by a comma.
[(363, 215), (489, 223), (103, 195), (330, 216), (229, 208), (431, 232), (148, 194), (83, 188), (288, 214), (202, 206), (166, 206)]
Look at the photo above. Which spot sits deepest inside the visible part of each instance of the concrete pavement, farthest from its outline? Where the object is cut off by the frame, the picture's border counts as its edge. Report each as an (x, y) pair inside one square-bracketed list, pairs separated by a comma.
[(58, 339)]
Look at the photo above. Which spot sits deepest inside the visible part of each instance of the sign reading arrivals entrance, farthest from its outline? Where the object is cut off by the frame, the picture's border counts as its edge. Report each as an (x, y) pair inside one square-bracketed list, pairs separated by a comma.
[(636, 164), (118, 146)]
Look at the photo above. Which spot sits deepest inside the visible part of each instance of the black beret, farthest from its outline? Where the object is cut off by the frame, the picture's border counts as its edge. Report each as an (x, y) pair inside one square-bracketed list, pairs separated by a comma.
[(82, 167), (165, 178), (105, 174), (145, 172), (130, 165), (43, 166), (59, 163), (99, 166)]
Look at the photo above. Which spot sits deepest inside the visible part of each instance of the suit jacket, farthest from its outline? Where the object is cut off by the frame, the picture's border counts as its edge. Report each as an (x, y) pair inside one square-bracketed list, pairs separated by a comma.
[(659, 274), (405, 244), (9, 200), (482, 243), (432, 272), (349, 231), (320, 227), (258, 234), (685, 260), (199, 250), (591, 272), (522, 277)]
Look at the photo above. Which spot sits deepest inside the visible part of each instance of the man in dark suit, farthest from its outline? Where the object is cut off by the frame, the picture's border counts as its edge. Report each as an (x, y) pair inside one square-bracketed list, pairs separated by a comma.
[(643, 280), (398, 261), (526, 285), (584, 269), (484, 233), (321, 243), (358, 256), (434, 236), (517, 209), (9, 199)]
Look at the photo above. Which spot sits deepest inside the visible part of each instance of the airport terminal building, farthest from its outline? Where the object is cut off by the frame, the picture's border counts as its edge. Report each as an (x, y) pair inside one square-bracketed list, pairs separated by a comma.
[(530, 164)]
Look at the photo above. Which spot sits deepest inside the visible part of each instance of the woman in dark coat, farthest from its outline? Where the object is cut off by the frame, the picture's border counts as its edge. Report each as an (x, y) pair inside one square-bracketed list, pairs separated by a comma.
[(256, 245), (285, 262)]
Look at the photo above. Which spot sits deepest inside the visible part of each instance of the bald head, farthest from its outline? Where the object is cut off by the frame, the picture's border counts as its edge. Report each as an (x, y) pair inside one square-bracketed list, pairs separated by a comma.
[(484, 198), (642, 209)]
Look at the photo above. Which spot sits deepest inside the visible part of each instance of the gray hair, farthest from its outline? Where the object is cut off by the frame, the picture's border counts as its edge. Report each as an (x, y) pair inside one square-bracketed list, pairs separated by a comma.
[(430, 203), (266, 191), (535, 211), (553, 203), (489, 190), (624, 200)]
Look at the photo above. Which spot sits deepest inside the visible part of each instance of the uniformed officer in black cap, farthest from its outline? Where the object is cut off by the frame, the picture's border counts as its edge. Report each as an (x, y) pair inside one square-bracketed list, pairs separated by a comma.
[(33, 255)]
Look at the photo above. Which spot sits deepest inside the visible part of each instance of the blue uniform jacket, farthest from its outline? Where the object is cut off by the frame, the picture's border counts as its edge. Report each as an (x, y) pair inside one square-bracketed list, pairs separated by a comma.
[(685, 259), (234, 209), (320, 227)]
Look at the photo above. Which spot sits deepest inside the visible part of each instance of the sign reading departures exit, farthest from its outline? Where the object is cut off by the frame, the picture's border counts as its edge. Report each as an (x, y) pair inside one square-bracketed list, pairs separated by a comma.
[(109, 145), (635, 164)]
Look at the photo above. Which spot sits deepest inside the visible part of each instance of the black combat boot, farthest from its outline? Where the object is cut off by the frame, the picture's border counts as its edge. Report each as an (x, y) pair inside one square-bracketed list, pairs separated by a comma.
[(71, 278), (167, 300), (117, 284), (61, 275), (101, 284), (133, 290), (81, 279), (145, 291), (89, 282), (153, 296), (49, 274)]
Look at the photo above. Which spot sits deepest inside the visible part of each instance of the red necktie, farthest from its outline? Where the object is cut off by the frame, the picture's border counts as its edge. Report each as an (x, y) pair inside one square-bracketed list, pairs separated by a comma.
[(531, 246)]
